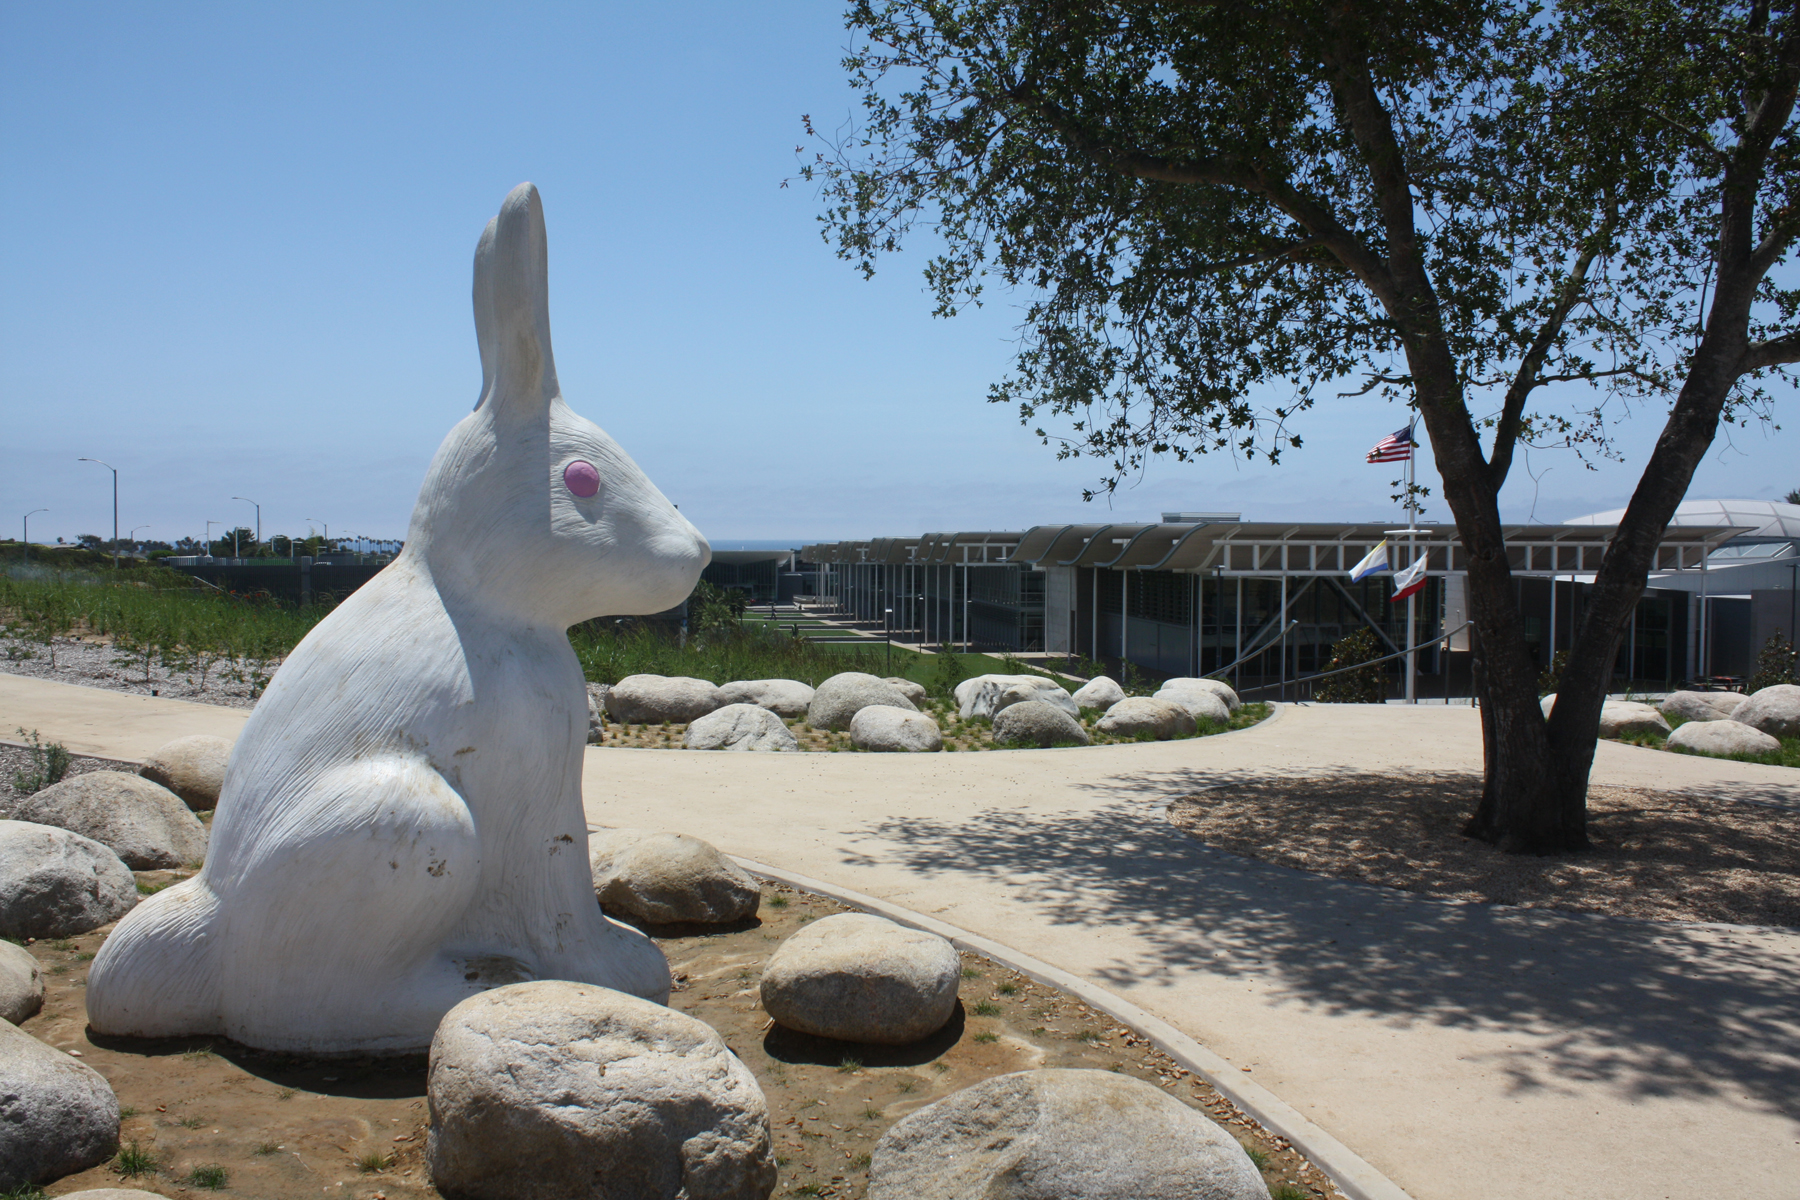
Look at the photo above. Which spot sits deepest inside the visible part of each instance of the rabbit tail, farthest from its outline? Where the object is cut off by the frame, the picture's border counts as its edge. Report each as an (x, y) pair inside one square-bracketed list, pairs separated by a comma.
[(156, 975)]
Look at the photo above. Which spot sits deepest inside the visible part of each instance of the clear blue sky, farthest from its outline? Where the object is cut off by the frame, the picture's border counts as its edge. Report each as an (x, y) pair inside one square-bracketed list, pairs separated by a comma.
[(237, 263)]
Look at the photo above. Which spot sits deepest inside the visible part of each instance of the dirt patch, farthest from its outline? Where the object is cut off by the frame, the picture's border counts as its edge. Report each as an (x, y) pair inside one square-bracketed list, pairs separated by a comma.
[(22, 760), (206, 1112), (1657, 855)]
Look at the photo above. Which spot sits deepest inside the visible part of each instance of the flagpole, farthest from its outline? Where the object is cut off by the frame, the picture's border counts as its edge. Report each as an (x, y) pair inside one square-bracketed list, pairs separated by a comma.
[(1412, 524)]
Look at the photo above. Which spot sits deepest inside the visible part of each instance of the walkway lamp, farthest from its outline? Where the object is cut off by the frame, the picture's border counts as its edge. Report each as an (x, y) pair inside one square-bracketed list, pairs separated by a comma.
[(258, 508), (133, 534), (115, 472), (25, 536)]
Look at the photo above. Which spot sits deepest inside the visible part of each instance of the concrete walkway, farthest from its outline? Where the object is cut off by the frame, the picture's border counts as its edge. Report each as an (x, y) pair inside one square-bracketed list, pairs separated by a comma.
[(1466, 1051)]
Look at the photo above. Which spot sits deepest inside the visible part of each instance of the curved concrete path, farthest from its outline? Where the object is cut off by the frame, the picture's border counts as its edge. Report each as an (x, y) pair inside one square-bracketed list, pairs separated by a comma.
[(1466, 1051)]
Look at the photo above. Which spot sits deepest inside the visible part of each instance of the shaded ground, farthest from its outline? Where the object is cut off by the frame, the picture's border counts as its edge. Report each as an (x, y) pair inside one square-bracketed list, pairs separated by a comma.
[(1655, 855), (200, 1112)]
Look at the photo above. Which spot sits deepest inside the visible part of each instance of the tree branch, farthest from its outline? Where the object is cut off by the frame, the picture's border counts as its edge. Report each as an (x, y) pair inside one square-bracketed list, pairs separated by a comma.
[(1774, 352), (1291, 249)]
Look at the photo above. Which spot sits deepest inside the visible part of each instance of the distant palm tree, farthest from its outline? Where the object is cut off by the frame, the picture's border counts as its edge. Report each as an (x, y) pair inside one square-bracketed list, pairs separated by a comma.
[(1793, 497)]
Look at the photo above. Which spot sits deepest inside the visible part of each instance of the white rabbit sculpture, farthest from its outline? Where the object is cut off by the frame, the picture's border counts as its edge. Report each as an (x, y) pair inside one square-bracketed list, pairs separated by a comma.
[(401, 823)]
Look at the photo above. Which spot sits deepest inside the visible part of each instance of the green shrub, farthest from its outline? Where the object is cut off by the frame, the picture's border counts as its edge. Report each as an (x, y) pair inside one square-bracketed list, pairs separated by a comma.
[(1774, 664), (1365, 686), (48, 765)]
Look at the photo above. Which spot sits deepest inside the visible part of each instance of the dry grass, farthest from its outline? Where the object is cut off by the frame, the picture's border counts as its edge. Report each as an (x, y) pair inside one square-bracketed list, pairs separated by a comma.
[(1655, 854)]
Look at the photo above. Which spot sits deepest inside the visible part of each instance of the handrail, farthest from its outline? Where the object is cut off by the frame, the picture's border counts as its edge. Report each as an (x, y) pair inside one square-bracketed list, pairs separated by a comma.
[(1299, 679)]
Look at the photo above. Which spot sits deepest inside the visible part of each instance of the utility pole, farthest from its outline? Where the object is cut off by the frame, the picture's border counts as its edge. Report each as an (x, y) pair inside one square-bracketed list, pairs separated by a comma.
[(115, 472), (325, 546)]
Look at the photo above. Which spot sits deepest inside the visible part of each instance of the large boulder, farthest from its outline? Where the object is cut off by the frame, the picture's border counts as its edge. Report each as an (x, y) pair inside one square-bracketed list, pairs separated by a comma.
[(1774, 710), (1698, 706), (1099, 692), (912, 691), (1722, 737), (740, 727), (145, 824), (1057, 1135), (596, 696), (54, 883), (668, 878), (551, 1089), (788, 697), (844, 695), (1202, 704), (861, 978), (1619, 717), (1217, 687), (1162, 719), (1022, 693), (192, 767), (21, 983), (977, 697), (1035, 723), (884, 728), (653, 699), (57, 1115)]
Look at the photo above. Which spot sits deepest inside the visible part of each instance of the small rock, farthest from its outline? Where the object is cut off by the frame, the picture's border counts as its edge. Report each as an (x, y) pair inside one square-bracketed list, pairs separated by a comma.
[(844, 695), (596, 694), (787, 697), (1217, 687), (1774, 711), (1619, 717), (860, 978), (1060, 1134), (1133, 715), (1696, 706), (653, 699), (1201, 703), (1099, 692), (1722, 737), (1547, 704), (21, 983), (144, 823), (912, 691), (55, 884), (669, 878), (1020, 693), (740, 727), (882, 727), (57, 1116), (551, 1089), (1035, 723), (192, 767)]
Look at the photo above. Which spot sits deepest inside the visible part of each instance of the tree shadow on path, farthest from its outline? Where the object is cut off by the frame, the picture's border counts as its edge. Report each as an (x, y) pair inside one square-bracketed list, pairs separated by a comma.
[(1642, 1008)]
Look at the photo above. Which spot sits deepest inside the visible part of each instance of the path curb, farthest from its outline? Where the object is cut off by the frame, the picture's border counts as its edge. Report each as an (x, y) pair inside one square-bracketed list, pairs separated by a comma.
[(1353, 1175)]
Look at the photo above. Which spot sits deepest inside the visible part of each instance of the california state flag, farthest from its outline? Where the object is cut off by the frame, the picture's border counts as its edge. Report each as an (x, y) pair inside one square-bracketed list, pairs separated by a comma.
[(1410, 581)]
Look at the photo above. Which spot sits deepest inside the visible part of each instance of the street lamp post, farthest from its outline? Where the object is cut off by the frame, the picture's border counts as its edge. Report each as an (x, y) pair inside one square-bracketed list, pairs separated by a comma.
[(133, 534), (326, 544), (208, 546), (115, 472), (258, 508), (25, 536), (887, 629)]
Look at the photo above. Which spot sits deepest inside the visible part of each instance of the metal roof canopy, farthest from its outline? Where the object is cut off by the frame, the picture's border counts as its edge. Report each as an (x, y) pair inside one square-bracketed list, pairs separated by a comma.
[(1284, 548), (977, 548)]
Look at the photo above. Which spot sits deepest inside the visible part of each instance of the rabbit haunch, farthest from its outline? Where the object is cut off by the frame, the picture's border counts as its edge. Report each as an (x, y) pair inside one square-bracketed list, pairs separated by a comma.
[(401, 825)]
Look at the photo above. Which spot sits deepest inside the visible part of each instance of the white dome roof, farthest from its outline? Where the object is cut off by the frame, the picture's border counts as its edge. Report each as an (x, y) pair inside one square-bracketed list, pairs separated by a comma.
[(1768, 518)]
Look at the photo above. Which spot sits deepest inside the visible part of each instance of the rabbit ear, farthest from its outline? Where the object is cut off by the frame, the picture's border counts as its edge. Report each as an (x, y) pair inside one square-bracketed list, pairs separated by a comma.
[(512, 307)]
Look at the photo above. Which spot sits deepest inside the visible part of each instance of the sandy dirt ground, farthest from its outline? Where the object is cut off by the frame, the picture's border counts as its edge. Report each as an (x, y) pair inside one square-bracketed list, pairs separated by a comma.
[(1656, 855), (206, 1116)]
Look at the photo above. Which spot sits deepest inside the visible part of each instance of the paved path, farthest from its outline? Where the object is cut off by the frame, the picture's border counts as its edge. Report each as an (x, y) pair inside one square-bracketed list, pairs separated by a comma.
[(1466, 1051)]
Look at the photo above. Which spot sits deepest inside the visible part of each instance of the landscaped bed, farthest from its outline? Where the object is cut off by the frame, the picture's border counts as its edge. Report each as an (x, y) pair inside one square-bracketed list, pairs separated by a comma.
[(974, 733), (1656, 855), (205, 1115)]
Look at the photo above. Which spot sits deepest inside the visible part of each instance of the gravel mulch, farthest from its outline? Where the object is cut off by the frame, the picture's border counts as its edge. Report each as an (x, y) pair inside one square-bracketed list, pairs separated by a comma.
[(1656, 855), (92, 662), (20, 760)]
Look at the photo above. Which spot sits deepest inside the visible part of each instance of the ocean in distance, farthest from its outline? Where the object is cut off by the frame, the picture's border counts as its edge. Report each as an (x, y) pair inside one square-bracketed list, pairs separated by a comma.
[(761, 543)]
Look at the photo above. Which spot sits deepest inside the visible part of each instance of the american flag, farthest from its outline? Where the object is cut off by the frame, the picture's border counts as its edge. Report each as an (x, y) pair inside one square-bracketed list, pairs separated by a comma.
[(1395, 447)]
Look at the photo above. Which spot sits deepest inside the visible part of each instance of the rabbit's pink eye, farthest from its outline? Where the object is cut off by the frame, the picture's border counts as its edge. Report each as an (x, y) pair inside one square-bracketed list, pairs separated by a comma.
[(581, 478)]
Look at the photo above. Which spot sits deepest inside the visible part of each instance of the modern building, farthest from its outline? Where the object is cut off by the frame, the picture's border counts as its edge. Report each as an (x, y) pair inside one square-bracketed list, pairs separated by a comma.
[(1201, 593)]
